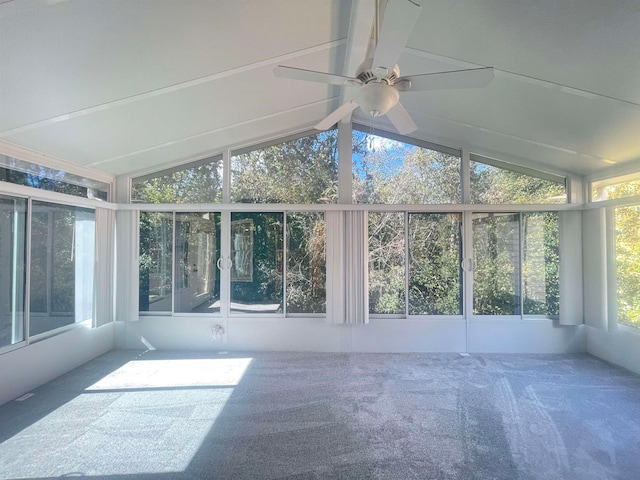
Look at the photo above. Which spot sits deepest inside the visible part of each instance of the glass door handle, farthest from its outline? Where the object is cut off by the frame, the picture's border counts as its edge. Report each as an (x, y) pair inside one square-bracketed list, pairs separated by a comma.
[(227, 264), (468, 264)]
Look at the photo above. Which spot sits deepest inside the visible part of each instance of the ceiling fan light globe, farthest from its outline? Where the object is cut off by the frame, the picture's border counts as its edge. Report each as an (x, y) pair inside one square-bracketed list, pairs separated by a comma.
[(377, 98)]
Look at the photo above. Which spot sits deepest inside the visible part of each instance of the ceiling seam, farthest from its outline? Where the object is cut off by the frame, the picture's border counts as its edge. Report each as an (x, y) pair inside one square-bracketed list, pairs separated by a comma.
[(528, 79), (513, 137), (210, 132), (170, 89)]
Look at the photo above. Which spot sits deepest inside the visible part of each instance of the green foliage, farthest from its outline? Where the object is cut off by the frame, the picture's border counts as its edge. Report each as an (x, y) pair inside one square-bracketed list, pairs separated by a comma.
[(492, 185), (306, 265), (400, 173), (496, 289), (200, 184), (304, 170), (541, 263), (386, 263), (627, 221), (434, 264)]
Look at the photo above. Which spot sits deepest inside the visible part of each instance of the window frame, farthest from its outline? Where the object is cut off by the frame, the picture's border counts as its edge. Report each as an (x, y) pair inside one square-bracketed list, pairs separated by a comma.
[(31, 194), (345, 168)]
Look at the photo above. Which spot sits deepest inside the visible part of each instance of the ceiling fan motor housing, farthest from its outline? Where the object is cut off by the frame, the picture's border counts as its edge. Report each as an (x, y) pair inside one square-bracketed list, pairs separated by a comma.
[(367, 74), (377, 98)]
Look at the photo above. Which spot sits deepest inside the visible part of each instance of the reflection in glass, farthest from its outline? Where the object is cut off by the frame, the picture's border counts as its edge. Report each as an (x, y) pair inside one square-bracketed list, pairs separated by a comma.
[(306, 263), (434, 264), (386, 263), (13, 212), (197, 250), (242, 250), (540, 263), (62, 266), (156, 261), (21, 172), (257, 283), (496, 276)]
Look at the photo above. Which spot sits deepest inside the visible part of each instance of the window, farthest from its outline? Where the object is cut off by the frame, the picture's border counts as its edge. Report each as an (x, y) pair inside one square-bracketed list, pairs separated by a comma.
[(495, 182), (387, 281), (257, 262), (435, 283), (540, 263), (197, 251), (20, 172), (306, 263), (13, 221), (62, 266), (617, 187), (301, 170), (156, 261), (502, 274), (627, 248), (496, 277), (389, 171), (184, 279), (198, 182)]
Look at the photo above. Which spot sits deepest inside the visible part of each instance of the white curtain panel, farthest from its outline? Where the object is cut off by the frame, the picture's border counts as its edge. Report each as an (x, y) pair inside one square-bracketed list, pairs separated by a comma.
[(105, 267), (356, 268), (127, 240), (347, 267), (335, 266)]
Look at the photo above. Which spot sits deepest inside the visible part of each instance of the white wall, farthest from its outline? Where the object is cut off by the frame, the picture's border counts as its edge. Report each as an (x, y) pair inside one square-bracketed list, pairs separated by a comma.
[(380, 335), (26, 368), (621, 346)]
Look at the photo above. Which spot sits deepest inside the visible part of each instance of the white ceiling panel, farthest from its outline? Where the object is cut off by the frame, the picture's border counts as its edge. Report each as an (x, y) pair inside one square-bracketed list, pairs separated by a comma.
[(167, 118), (587, 44), (67, 56)]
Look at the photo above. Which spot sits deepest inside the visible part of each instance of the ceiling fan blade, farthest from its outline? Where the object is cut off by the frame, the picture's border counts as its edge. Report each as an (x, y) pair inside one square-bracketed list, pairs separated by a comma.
[(401, 119), (473, 78), (313, 76), (398, 21), (337, 115)]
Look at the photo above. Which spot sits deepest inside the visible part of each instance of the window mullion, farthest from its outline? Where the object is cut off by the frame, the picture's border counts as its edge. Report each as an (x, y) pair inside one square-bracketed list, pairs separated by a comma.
[(27, 274), (406, 264), (174, 258), (285, 242), (521, 263)]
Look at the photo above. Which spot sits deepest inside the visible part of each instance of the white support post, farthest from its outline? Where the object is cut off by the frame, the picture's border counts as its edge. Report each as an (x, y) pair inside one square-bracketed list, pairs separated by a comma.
[(345, 176)]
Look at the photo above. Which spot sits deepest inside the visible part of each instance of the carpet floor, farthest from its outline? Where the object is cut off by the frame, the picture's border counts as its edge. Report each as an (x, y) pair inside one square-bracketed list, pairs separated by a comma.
[(214, 415)]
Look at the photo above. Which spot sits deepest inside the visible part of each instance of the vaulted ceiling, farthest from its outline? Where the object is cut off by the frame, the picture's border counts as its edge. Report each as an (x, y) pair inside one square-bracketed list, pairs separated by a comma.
[(125, 86)]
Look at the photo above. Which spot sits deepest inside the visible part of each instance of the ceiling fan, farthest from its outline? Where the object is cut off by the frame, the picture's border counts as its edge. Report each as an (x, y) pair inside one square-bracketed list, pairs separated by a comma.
[(378, 82)]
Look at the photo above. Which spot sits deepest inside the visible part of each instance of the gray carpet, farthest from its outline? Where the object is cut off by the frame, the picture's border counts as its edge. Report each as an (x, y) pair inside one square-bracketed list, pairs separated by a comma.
[(186, 415)]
